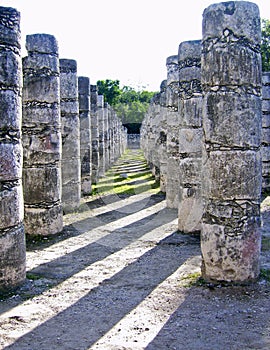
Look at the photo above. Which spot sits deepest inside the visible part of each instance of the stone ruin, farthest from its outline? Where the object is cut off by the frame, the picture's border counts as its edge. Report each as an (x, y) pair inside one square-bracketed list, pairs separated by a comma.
[(217, 133), (49, 132), (12, 239), (205, 137)]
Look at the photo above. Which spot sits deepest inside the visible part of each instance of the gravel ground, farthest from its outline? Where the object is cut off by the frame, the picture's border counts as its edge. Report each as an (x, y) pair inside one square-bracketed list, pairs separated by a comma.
[(120, 276)]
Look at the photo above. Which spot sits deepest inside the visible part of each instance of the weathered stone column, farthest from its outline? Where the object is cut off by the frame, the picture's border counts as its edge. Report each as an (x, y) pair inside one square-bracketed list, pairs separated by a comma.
[(106, 136), (42, 142), (111, 136), (172, 188), (101, 123), (94, 134), (85, 135), (266, 132), (190, 136), (162, 139), (12, 242), (71, 164), (231, 166)]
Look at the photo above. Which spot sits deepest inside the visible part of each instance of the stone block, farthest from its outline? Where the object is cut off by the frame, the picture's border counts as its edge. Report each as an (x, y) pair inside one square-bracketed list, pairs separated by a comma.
[(42, 89), (190, 111), (42, 148), (190, 141), (41, 44), (232, 119), (190, 171), (231, 257), (12, 258), (232, 18), (10, 64), (266, 92), (190, 209), (11, 206), (38, 116), (266, 136), (10, 161), (41, 65), (10, 33), (189, 74), (10, 111), (229, 175), (44, 221), (43, 185)]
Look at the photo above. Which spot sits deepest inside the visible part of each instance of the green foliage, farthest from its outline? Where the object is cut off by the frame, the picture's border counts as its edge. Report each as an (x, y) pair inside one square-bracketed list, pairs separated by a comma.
[(110, 89), (129, 104), (265, 45)]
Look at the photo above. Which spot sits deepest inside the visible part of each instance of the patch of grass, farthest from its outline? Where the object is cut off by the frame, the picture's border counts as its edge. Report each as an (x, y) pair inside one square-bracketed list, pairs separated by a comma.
[(32, 276), (127, 182), (192, 280), (265, 243), (265, 274)]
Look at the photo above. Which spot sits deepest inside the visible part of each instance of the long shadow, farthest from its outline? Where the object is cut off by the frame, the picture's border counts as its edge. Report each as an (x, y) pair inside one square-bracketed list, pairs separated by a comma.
[(209, 319), (85, 322), (81, 226), (111, 185), (62, 268)]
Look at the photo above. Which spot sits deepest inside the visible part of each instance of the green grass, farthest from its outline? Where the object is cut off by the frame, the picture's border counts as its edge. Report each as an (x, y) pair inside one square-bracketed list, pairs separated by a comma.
[(121, 179), (265, 274), (192, 280)]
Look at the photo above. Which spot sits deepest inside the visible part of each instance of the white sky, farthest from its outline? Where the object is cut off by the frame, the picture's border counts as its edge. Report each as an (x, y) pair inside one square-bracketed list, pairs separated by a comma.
[(128, 40)]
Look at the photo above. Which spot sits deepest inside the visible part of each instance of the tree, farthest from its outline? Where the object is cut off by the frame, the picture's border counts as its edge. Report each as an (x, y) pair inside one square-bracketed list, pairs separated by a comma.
[(110, 89), (265, 45), (129, 104)]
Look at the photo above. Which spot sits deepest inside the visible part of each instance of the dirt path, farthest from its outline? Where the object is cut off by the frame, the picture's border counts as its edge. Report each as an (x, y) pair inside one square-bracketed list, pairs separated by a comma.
[(121, 276)]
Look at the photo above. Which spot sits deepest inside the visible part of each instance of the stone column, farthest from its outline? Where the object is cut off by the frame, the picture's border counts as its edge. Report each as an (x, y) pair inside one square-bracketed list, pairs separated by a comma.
[(111, 136), (266, 133), (12, 242), (162, 137), (94, 134), (101, 123), (231, 165), (106, 136), (85, 135), (190, 136), (71, 164), (42, 136), (172, 188)]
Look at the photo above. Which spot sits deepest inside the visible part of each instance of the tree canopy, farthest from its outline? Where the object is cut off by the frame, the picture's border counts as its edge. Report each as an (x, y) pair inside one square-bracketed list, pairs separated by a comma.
[(265, 45), (129, 104)]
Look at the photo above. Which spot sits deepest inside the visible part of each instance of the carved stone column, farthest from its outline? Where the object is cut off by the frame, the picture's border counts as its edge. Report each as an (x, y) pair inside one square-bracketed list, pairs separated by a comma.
[(266, 132), (231, 165), (172, 101), (42, 141), (12, 242), (85, 135), (190, 136), (94, 134), (71, 164)]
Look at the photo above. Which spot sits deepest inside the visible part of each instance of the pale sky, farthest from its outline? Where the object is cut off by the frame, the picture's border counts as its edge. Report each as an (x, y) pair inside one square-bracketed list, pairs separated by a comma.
[(128, 40)]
